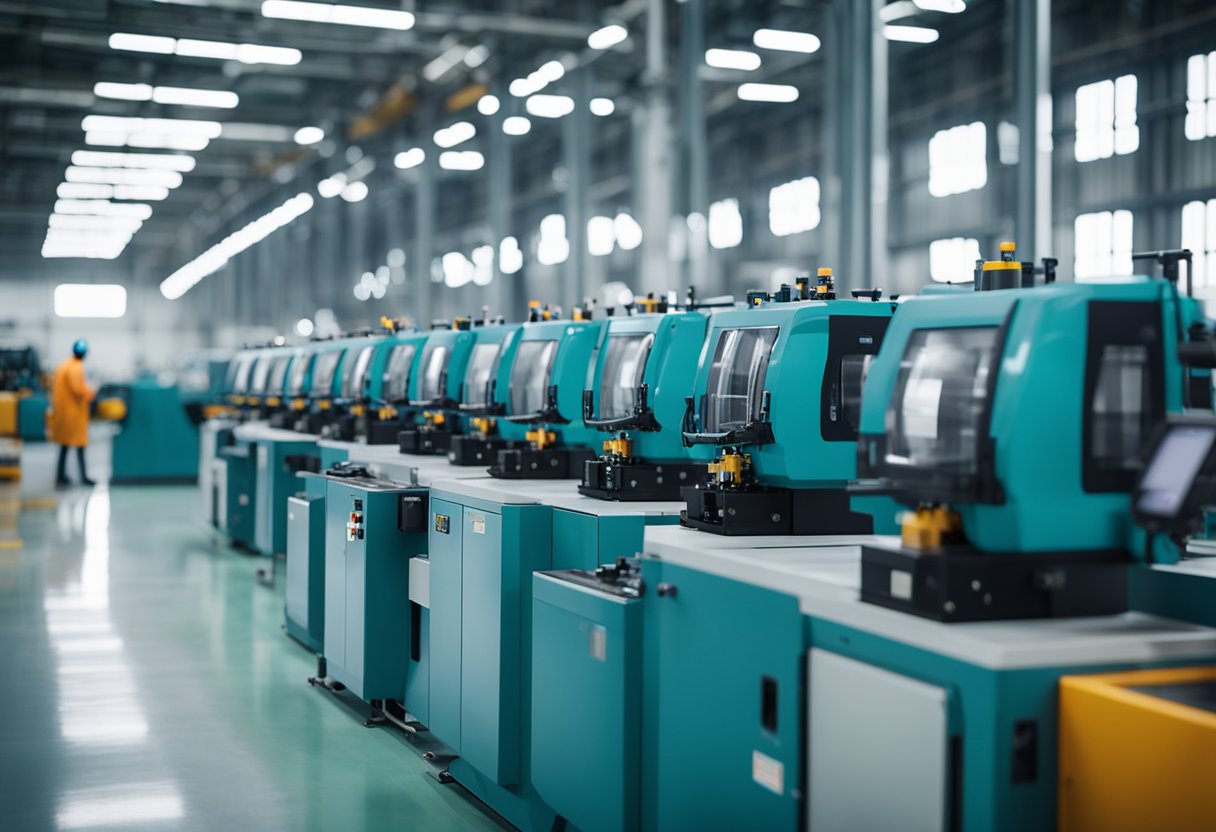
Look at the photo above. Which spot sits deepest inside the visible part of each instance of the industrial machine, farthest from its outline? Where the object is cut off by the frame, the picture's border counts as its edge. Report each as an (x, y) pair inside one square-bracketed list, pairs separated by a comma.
[(456, 364), (390, 379), (157, 438), (977, 396), (644, 370), (23, 399), (545, 381), (778, 398)]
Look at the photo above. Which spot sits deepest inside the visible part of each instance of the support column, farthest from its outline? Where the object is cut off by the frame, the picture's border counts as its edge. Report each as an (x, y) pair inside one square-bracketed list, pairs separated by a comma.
[(652, 176), (419, 298), (504, 296), (576, 151), (1033, 112), (695, 144)]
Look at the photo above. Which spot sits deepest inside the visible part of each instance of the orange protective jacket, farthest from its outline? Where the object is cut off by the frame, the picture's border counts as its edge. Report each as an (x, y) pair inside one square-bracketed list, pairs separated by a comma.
[(70, 397)]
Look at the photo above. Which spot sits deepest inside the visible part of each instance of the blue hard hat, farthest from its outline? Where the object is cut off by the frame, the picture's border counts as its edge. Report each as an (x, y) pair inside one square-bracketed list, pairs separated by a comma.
[(80, 348)]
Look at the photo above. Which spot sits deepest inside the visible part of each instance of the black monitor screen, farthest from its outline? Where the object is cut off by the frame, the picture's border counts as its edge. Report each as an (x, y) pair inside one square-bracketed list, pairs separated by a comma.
[(1173, 468)]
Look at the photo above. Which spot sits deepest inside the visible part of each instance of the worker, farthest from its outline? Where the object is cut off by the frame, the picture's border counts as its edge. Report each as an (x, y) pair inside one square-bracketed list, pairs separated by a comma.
[(69, 417)]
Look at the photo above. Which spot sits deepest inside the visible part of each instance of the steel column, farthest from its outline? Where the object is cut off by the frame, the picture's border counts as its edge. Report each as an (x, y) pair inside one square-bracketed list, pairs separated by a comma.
[(1032, 105), (576, 152)]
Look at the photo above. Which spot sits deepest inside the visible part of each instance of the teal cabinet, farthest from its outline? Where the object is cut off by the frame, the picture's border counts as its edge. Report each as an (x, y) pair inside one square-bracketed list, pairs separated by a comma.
[(304, 607)]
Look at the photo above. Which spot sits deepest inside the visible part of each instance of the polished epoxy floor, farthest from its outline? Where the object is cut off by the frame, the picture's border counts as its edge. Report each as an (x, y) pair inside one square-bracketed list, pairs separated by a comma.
[(147, 684)]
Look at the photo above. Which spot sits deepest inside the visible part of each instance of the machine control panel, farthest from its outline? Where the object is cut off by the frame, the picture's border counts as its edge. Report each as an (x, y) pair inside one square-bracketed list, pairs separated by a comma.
[(354, 524)]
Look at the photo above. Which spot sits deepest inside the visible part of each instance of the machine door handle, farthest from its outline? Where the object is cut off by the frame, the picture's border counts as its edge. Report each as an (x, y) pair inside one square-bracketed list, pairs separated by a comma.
[(666, 590)]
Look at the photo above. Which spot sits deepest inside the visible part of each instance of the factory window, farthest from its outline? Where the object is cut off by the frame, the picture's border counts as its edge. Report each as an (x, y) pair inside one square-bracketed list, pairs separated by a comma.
[(477, 376), (624, 366), (1199, 235), (725, 224), (1106, 119), (958, 159), (736, 378), (1201, 97), (1102, 245), (794, 207), (90, 300), (530, 376), (952, 260)]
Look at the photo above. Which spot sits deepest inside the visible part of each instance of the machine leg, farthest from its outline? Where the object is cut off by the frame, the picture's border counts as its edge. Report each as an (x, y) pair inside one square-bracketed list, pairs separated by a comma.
[(322, 678), (378, 716), (438, 766), (265, 574)]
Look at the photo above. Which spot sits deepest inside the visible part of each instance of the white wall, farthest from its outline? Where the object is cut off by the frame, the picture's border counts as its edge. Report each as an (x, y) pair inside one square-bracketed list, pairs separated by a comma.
[(153, 335)]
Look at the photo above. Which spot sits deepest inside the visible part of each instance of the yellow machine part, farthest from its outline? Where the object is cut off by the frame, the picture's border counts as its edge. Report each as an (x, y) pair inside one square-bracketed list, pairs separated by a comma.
[(215, 411), (619, 446), (1133, 761), (483, 425), (299, 404), (112, 410), (358, 410), (273, 401), (434, 417), (927, 527), (541, 438), (324, 404), (729, 467), (8, 414), (386, 413)]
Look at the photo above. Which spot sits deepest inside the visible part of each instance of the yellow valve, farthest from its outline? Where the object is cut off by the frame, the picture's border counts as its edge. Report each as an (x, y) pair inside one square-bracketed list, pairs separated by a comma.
[(541, 438), (324, 404), (273, 401), (483, 425), (824, 271), (822, 290), (458, 322), (112, 410), (756, 301), (728, 468), (358, 410), (298, 404), (214, 411), (578, 314), (1008, 247), (928, 527), (434, 417), (386, 413), (388, 323), (534, 304), (619, 446), (1006, 263)]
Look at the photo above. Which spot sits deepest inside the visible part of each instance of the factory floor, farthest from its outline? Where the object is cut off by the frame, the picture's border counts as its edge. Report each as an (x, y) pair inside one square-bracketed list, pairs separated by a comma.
[(147, 683)]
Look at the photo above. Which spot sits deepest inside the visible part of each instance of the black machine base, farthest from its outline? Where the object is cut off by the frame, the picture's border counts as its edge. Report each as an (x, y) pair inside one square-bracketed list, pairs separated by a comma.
[(527, 463), (960, 583), (379, 432), (431, 441), (478, 450), (630, 480), (761, 511)]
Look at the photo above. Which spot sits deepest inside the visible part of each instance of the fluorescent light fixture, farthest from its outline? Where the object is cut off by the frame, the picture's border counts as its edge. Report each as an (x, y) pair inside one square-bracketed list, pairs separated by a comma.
[(793, 207), (603, 106), (601, 236), (246, 132), (461, 160), (395, 258), (510, 256), (309, 135), (455, 134), (608, 36), (247, 53), (340, 14), (220, 99), (215, 258), (910, 34), (103, 208), (90, 300), (553, 247), (97, 139), (437, 68), (783, 41), (167, 126), (124, 176), (551, 71), (411, 158), (516, 126), (107, 159), (151, 141), (304, 327), (363, 291), (123, 92), (142, 43), (92, 222), (483, 265), (457, 270), (897, 10), (83, 190), (329, 188), (476, 56), (523, 87), (549, 106), (946, 6), (732, 59), (776, 93), (355, 191), (152, 193), (725, 223), (488, 105)]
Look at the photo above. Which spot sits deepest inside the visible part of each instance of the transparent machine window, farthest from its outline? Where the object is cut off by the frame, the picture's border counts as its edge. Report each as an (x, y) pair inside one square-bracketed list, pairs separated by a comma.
[(434, 371), (274, 383), (324, 366), (735, 388), (240, 380), (397, 373), (935, 416), (853, 371), (356, 373), (261, 371), (299, 369), (1121, 410), (477, 375), (624, 367), (530, 376)]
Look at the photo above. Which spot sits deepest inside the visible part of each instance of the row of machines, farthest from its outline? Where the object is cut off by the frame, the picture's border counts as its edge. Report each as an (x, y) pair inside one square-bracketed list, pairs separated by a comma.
[(804, 562)]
